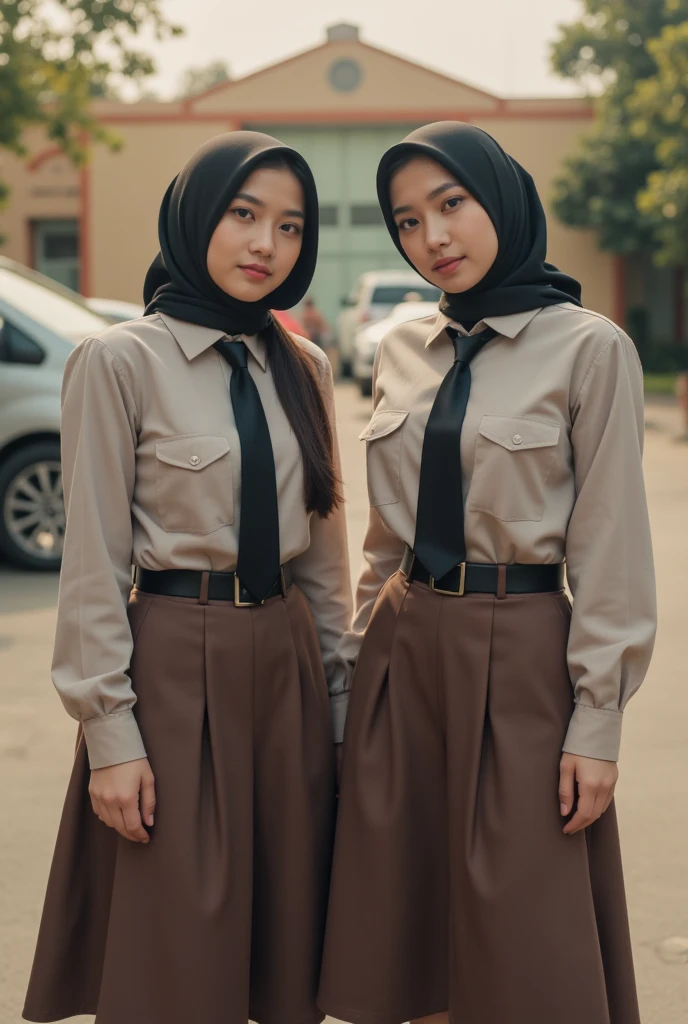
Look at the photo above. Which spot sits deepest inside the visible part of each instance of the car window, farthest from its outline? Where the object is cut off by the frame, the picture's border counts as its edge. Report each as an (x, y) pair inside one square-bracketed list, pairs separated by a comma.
[(17, 347), (51, 309), (391, 294)]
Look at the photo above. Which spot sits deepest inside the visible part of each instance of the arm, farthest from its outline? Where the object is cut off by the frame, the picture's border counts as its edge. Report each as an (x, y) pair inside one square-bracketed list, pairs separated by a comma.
[(382, 554), (322, 573), (608, 552), (93, 642)]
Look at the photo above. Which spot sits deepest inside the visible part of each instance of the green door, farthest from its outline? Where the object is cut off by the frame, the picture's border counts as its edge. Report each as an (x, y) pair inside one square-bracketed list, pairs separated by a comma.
[(353, 238)]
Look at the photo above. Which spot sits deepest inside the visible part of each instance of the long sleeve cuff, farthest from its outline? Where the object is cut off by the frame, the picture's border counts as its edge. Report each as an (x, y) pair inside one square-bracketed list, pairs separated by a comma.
[(113, 739), (594, 732), (339, 704)]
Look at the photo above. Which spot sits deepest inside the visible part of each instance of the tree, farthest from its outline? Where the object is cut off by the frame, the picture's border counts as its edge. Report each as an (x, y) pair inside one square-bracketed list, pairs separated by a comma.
[(659, 112), (195, 80), (609, 49), (55, 55)]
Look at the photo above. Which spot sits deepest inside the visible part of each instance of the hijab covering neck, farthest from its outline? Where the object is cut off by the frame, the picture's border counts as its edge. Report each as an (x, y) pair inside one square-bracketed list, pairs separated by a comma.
[(519, 279), (178, 281)]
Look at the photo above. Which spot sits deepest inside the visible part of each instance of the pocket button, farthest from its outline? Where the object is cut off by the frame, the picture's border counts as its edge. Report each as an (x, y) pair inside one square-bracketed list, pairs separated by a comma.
[(517, 439), (194, 460)]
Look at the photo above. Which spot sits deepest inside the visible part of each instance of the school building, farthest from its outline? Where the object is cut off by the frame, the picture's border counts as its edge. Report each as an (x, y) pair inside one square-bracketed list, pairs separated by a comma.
[(341, 103)]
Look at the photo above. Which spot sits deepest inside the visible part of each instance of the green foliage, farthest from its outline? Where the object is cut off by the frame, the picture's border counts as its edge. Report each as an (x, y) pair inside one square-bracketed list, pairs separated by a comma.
[(196, 80), (659, 108), (611, 48), (55, 55)]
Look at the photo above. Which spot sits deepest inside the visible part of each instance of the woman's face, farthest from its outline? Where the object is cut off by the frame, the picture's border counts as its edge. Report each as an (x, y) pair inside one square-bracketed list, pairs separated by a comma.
[(444, 231), (256, 244)]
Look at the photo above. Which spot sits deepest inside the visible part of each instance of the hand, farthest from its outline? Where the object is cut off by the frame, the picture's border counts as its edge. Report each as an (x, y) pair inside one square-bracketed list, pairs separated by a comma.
[(596, 782), (122, 795), (338, 749)]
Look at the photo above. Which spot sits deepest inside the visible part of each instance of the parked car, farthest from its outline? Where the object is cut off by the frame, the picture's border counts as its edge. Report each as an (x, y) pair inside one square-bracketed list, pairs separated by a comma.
[(371, 299), (115, 310), (368, 338), (40, 323)]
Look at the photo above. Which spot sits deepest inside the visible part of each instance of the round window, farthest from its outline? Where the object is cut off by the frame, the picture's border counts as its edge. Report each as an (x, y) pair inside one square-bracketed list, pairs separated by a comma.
[(345, 75)]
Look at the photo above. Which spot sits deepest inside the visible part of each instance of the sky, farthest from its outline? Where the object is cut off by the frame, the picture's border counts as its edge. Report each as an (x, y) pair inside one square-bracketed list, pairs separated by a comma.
[(499, 45)]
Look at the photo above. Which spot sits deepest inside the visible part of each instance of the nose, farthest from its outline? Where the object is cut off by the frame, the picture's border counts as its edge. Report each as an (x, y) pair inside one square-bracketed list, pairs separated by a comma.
[(263, 242), (436, 234)]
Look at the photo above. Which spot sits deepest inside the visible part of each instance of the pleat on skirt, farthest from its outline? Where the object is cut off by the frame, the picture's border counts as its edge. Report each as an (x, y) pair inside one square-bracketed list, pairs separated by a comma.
[(454, 887), (220, 918)]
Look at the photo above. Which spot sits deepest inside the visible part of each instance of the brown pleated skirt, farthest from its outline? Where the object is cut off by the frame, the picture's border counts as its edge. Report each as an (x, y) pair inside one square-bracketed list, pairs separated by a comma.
[(221, 917), (454, 887)]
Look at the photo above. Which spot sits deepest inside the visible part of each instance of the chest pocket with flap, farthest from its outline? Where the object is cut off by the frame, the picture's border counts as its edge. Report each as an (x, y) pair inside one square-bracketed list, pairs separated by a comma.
[(514, 456), (194, 483), (383, 455)]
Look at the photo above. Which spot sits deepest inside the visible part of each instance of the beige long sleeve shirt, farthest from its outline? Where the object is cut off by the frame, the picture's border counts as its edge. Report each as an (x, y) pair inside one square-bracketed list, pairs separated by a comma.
[(152, 476), (551, 460)]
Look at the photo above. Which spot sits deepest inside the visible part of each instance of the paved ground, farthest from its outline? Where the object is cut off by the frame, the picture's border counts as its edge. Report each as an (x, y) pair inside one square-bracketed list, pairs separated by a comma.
[(36, 740)]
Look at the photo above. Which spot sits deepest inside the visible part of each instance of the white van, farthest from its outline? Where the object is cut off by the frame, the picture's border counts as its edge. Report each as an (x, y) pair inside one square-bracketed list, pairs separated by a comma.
[(373, 296)]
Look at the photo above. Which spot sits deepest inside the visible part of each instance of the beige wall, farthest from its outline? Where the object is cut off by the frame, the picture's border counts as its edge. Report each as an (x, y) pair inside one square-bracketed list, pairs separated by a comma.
[(302, 85), (541, 145), (125, 191), (51, 190)]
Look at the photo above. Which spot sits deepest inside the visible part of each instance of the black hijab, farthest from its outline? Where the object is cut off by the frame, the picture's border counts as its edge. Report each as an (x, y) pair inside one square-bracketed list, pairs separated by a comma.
[(519, 279), (178, 281)]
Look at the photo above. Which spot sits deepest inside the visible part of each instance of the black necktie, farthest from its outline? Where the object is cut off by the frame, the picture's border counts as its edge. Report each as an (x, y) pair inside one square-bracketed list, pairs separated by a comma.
[(258, 564), (440, 544)]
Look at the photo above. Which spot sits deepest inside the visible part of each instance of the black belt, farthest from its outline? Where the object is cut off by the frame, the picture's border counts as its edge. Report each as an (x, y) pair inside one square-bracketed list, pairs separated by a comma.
[(206, 586), (484, 578)]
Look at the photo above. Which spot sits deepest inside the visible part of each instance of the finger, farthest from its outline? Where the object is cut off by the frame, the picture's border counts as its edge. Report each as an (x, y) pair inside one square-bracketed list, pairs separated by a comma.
[(132, 822), (105, 814), (566, 784), (148, 800), (607, 802), (582, 817), (95, 804)]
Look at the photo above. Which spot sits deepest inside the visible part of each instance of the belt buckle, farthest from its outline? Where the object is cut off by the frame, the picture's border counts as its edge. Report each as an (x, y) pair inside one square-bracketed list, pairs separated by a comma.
[(452, 593), (237, 594)]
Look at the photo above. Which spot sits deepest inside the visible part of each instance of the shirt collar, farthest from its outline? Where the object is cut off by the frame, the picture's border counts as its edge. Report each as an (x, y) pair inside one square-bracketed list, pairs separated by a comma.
[(194, 339), (509, 326)]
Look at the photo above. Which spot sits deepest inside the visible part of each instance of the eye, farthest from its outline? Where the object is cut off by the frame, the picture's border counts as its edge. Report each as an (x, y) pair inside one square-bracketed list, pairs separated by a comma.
[(407, 223), (241, 212), (291, 229), (453, 202)]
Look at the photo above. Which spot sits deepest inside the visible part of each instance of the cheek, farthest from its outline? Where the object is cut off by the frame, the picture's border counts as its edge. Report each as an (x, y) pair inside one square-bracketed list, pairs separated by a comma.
[(223, 244), (485, 238)]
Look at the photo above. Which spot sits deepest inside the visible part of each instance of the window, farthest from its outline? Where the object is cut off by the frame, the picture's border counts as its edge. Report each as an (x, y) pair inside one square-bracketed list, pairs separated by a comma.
[(366, 215), (17, 347), (329, 216), (391, 294)]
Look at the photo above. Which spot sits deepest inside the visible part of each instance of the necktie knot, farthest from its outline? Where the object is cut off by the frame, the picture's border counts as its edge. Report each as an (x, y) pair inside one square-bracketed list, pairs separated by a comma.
[(235, 352), (466, 346)]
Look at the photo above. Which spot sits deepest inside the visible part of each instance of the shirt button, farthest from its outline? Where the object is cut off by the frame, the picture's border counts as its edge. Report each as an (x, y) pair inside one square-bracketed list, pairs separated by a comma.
[(194, 460), (517, 439)]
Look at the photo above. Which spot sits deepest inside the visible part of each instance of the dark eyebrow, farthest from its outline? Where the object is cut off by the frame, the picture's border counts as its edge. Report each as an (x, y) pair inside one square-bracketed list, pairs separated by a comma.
[(432, 195), (247, 198)]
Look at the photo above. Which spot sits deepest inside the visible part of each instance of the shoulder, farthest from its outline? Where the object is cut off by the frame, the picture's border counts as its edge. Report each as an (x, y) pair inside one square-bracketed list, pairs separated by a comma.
[(410, 333), (124, 338), (318, 356), (593, 331)]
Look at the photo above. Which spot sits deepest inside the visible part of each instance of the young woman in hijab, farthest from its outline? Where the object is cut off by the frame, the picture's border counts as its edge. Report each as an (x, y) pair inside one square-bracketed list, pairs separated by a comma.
[(190, 877), (477, 866)]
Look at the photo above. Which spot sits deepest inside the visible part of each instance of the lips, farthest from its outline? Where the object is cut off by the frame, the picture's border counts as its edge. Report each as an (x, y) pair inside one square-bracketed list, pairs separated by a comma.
[(256, 271), (448, 265)]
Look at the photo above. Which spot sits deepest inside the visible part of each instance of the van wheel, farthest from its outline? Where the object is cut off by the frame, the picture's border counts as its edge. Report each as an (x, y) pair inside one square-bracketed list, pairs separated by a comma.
[(32, 514)]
